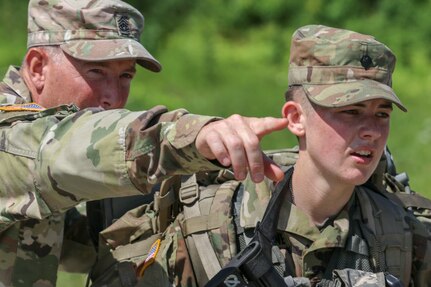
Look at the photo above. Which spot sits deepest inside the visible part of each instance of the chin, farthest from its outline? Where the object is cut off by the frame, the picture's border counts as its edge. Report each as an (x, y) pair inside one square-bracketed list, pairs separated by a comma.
[(359, 177), (361, 182)]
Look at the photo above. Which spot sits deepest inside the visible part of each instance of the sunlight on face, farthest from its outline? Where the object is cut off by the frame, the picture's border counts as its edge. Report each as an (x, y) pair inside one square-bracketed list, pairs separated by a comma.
[(88, 84), (347, 142)]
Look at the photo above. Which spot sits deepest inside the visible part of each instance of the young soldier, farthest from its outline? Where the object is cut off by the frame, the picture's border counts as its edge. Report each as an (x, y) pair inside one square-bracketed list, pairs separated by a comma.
[(330, 228), (55, 153), (339, 105)]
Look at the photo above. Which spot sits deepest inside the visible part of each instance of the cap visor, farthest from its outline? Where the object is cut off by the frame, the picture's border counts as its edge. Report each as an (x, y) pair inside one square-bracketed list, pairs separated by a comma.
[(113, 49), (347, 93)]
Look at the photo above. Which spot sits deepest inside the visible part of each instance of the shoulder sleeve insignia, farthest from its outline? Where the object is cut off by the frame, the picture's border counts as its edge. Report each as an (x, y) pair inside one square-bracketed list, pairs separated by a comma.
[(31, 107)]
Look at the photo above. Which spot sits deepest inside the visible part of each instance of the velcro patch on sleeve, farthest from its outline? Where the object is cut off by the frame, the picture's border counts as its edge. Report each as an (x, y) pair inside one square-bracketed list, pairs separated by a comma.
[(32, 107)]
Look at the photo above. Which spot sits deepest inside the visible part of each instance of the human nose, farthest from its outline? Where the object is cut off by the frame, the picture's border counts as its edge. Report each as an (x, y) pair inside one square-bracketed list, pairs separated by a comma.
[(371, 129), (112, 95)]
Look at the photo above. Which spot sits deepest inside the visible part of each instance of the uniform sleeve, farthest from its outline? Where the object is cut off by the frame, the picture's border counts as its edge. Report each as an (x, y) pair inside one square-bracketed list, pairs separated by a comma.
[(52, 163)]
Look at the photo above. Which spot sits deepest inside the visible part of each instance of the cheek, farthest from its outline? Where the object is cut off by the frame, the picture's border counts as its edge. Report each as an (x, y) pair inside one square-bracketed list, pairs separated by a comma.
[(384, 137), (123, 95), (124, 91), (83, 96), (125, 86), (328, 142), (386, 132)]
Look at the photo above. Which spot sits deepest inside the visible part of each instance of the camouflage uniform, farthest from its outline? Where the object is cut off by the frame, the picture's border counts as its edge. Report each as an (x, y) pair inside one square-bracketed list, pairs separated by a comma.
[(52, 159), (340, 242), (368, 238), (64, 157), (335, 68)]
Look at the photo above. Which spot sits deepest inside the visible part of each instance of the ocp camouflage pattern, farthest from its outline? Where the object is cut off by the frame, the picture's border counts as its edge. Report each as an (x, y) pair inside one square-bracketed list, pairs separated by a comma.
[(358, 278), (335, 56), (59, 157), (90, 30), (54, 22), (253, 206), (338, 67), (339, 244)]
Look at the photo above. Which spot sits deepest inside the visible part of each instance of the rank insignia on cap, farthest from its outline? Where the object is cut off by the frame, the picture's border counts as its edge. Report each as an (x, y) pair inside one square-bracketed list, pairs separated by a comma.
[(123, 25), (151, 257), (31, 107), (366, 62)]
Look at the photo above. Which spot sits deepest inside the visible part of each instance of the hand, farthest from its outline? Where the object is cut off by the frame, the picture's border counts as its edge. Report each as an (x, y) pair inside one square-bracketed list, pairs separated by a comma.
[(235, 141)]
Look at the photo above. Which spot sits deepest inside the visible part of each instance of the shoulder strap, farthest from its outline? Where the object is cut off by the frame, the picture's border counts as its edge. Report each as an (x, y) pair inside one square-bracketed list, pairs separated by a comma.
[(387, 233), (199, 243), (254, 263), (206, 199)]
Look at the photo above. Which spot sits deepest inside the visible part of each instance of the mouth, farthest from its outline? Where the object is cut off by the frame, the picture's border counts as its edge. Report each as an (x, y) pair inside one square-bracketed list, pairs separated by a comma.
[(365, 154)]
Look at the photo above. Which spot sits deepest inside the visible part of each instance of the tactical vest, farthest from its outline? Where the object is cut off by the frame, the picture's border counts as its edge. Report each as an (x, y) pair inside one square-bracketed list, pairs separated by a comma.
[(190, 230)]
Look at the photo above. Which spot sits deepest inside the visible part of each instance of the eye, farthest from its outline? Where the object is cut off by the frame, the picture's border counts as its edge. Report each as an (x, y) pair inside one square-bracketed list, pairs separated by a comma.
[(129, 76), (383, 115), (350, 111), (96, 71)]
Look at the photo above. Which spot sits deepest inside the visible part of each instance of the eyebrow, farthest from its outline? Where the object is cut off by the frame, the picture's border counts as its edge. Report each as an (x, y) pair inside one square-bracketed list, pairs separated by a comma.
[(385, 105), (132, 67)]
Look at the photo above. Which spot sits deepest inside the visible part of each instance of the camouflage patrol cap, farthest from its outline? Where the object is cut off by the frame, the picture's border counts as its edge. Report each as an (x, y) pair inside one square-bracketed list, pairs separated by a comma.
[(338, 67), (90, 30)]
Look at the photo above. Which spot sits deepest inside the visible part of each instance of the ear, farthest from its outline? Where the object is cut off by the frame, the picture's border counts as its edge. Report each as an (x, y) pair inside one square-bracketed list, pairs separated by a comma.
[(295, 114), (36, 66)]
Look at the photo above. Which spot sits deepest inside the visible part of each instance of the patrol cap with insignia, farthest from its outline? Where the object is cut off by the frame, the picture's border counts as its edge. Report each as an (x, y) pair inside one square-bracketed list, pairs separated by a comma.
[(90, 30), (339, 67)]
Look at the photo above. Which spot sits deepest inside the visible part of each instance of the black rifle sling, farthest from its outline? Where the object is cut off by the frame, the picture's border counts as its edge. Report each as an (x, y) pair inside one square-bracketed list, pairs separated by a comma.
[(253, 265)]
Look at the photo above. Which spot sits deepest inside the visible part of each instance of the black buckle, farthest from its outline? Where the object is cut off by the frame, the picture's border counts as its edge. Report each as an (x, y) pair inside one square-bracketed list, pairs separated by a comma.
[(231, 275)]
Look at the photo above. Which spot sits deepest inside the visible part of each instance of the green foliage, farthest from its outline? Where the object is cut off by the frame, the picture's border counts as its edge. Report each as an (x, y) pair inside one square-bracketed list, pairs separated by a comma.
[(162, 18), (13, 19)]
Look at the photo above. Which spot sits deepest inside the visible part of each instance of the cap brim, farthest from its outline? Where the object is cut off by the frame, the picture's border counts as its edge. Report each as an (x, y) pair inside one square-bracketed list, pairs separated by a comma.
[(113, 49), (347, 93)]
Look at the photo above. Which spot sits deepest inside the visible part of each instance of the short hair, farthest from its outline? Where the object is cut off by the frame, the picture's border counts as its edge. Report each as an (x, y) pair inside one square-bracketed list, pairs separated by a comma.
[(293, 92), (297, 94)]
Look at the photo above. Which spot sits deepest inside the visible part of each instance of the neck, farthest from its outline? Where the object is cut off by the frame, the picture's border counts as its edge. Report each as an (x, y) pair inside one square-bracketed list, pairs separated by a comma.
[(318, 196)]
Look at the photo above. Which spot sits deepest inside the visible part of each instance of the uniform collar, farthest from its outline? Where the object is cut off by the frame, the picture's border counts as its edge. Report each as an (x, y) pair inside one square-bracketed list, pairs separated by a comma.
[(295, 221), (16, 85)]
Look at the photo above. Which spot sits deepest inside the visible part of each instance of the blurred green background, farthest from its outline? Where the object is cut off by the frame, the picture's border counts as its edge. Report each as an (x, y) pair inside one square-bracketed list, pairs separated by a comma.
[(222, 57)]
